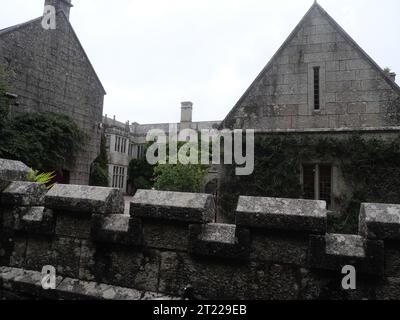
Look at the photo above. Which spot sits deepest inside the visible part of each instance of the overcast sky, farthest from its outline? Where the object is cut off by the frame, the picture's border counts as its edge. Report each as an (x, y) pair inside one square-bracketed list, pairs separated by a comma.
[(151, 55)]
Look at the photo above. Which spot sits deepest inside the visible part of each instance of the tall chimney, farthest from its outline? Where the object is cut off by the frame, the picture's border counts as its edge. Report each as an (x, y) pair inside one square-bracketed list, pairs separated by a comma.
[(186, 111), (392, 76), (60, 5)]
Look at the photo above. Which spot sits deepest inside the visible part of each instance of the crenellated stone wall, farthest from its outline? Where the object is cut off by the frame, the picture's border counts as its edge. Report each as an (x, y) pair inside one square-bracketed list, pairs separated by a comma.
[(277, 249)]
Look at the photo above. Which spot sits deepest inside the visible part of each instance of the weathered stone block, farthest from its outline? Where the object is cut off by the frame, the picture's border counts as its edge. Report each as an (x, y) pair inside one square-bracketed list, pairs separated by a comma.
[(87, 260), (73, 224), (74, 289), (282, 214), (209, 278), (39, 253), (20, 193), (85, 199), (357, 107), (36, 220), (279, 247), (25, 281), (67, 253), (333, 251), (176, 206), (283, 282), (165, 234), (116, 228), (125, 267), (218, 240), (11, 170), (10, 219), (380, 221), (18, 252)]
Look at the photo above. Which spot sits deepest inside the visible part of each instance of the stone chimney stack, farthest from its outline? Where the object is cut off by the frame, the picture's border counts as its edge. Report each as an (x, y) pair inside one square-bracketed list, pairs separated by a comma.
[(60, 5), (392, 76), (186, 111)]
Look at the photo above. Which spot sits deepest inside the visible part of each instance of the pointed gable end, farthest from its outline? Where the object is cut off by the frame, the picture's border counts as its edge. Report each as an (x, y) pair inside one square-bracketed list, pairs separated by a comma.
[(320, 78)]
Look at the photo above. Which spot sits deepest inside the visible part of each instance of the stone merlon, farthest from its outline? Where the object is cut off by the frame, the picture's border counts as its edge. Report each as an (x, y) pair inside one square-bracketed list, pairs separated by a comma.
[(177, 206), (285, 214), (380, 221), (85, 199), (11, 170), (24, 194)]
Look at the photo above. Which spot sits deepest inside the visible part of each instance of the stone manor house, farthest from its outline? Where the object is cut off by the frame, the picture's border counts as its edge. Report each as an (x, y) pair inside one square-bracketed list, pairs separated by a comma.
[(128, 141), (49, 71), (320, 82)]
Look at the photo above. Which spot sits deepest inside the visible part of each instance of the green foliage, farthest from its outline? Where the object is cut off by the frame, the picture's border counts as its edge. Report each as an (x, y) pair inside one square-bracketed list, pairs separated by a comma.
[(179, 177), (45, 141), (98, 176), (102, 159), (387, 71), (99, 169), (140, 174), (370, 167), (45, 178)]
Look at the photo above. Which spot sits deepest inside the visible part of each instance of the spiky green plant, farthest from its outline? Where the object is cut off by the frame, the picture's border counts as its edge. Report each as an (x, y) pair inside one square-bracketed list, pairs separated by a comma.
[(45, 177)]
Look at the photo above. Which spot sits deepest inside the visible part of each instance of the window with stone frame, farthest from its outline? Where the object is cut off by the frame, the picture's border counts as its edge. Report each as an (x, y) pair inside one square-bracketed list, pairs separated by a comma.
[(317, 182), (131, 149), (108, 142), (118, 177), (120, 144), (141, 151)]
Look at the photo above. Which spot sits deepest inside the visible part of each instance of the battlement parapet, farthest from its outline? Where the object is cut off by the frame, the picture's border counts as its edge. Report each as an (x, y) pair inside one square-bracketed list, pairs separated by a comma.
[(277, 249)]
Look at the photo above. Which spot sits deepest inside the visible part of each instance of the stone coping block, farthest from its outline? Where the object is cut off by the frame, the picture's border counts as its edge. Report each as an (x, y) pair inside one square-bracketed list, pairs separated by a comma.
[(116, 228), (24, 194), (380, 221), (11, 170), (177, 206), (85, 199), (217, 232), (218, 240), (282, 214), (334, 251), (27, 282), (37, 220), (345, 245)]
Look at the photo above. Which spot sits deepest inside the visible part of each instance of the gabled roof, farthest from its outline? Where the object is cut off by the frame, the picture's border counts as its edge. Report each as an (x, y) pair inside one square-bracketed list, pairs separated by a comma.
[(339, 29), (18, 26), (62, 14)]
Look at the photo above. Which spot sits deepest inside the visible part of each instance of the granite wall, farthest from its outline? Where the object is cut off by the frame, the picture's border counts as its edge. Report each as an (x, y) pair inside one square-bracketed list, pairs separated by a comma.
[(354, 92), (169, 247), (49, 71)]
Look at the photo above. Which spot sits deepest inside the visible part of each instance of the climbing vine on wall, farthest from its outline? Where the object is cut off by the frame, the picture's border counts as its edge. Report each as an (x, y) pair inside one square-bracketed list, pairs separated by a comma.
[(370, 167), (393, 112)]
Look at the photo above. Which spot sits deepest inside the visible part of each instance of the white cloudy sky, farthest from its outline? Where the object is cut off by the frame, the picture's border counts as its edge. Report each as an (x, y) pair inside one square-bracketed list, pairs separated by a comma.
[(151, 55)]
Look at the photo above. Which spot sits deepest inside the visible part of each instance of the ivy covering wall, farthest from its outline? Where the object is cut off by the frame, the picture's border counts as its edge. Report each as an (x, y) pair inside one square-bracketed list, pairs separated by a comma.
[(370, 168)]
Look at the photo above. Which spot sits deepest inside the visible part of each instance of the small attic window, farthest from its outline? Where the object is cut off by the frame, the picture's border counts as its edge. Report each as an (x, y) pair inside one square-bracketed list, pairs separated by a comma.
[(317, 104)]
